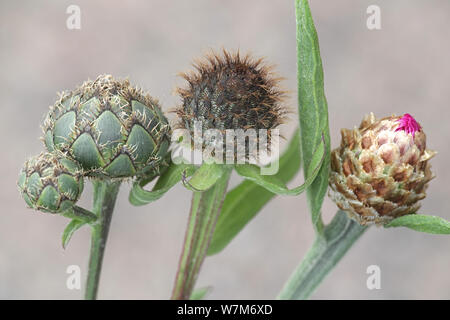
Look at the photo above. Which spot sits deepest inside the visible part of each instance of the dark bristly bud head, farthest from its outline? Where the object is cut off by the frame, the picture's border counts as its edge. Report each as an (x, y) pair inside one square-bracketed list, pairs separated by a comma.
[(50, 183), (381, 170), (111, 128), (230, 91)]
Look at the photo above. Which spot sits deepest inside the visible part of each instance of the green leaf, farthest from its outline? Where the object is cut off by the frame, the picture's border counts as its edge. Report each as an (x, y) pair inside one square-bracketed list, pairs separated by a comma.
[(422, 223), (174, 174), (243, 202), (200, 293), (313, 109), (204, 177), (275, 184), (70, 229)]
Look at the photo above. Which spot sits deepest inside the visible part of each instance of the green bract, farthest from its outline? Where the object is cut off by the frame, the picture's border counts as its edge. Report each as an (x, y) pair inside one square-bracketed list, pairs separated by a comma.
[(110, 128), (50, 183)]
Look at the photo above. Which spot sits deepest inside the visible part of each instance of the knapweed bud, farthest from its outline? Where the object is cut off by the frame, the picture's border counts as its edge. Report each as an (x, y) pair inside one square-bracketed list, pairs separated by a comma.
[(50, 183), (381, 169), (228, 91), (111, 128)]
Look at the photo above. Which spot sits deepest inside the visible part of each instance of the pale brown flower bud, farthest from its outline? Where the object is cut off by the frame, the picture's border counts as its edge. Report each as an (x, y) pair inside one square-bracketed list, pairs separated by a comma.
[(381, 169)]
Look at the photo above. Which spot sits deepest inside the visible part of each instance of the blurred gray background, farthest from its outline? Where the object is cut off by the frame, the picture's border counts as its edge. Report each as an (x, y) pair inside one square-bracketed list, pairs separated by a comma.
[(404, 67)]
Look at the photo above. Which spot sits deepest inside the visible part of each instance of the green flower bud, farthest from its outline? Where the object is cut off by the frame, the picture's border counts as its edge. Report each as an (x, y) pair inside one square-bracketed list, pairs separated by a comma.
[(110, 128), (50, 183)]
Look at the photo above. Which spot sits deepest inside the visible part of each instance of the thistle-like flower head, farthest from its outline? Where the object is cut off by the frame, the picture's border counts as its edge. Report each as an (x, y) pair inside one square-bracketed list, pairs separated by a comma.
[(228, 91), (111, 128), (381, 169), (50, 183)]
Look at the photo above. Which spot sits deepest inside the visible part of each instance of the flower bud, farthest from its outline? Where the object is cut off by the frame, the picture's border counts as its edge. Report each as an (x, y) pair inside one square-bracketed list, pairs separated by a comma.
[(230, 92), (110, 128), (381, 169), (50, 183)]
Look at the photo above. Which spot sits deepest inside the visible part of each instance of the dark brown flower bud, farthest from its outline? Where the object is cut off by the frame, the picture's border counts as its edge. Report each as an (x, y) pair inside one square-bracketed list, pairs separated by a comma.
[(228, 91)]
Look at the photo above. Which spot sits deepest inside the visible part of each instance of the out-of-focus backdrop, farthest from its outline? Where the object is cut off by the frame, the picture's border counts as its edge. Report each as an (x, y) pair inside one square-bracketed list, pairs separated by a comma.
[(404, 67)]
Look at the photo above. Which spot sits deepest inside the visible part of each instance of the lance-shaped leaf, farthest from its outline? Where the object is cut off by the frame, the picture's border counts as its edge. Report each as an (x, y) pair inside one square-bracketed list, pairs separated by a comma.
[(312, 107), (139, 196), (275, 184), (80, 217), (422, 223), (243, 202), (70, 229)]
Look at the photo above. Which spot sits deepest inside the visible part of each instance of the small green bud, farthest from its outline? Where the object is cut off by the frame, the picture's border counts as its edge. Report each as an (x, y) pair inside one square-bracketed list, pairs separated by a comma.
[(50, 183), (110, 128)]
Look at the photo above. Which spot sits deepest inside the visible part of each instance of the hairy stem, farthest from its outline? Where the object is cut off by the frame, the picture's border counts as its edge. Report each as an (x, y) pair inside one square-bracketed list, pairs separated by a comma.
[(205, 210), (105, 194), (321, 258)]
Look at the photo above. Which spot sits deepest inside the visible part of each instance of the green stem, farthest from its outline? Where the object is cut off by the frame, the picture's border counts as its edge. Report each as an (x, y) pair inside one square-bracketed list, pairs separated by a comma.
[(324, 254), (80, 214), (105, 194), (205, 210)]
